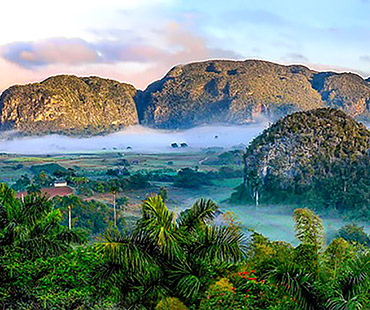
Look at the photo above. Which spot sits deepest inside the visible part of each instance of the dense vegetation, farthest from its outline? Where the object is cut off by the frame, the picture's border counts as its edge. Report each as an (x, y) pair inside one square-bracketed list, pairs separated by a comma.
[(215, 91), (68, 104), (238, 92), (320, 158), (174, 261)]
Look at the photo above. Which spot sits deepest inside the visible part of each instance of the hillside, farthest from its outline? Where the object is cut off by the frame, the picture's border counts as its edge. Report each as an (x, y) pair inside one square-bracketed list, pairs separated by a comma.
[(70, 105), (209, 92), (241, 92), (320, 157)]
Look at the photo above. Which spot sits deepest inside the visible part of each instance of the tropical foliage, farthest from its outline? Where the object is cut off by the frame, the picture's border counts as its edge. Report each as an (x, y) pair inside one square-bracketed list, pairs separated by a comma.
[(168, 255), (170, 260)]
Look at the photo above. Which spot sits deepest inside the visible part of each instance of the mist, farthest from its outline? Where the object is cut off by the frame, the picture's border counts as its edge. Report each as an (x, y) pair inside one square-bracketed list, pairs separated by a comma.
[(139, 140)]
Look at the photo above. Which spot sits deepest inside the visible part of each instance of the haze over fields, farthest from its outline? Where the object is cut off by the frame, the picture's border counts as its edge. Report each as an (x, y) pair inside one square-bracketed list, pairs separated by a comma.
[(140, 139)]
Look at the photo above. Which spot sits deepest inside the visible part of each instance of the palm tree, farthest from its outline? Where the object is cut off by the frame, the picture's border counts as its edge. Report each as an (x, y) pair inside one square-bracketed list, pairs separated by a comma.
[(299, 282), (68, 202), (114, 189), (168, 254), (32, 226), (353, 286)]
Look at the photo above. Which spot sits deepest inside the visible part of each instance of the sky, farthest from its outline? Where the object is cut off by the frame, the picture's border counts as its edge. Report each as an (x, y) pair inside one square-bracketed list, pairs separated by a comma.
[(138, 41)]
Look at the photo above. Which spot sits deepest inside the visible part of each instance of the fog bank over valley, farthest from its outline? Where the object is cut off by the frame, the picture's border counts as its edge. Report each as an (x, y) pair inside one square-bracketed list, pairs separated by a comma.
[(134, 139)]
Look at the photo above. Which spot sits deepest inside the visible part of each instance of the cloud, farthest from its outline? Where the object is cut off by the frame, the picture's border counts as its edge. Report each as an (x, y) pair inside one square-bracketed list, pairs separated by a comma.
[(50, 51), (258, 17), (128, 58), (365, 58), (338, 69), (295, 57)]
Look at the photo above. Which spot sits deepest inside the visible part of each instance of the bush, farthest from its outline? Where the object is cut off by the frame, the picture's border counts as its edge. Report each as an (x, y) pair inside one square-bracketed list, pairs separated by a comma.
[(247, 293), (189, 178), (354, 233), (220, 295), (171, 303)]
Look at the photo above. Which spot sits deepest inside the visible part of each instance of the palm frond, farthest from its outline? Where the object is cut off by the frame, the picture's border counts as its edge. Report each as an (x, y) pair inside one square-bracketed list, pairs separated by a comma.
[(203, 211), (220, 243), (125, 250), (158, 222), (187, 278), (353, 286), (298, 282)]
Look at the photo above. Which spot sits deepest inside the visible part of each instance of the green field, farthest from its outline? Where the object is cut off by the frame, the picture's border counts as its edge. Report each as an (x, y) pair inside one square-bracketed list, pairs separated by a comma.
[(274, 222)]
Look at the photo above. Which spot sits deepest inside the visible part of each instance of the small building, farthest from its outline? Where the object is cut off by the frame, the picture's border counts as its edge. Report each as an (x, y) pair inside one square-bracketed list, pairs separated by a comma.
[(60, 183), (50, 192)]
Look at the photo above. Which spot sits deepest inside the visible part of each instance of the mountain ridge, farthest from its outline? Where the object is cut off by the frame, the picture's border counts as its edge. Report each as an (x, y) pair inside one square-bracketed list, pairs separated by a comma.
[(68, 104), (198, 93)]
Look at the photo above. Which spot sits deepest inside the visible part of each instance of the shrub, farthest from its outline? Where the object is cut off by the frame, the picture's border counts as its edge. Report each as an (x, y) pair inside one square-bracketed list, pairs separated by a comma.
[(220, 295), (171, 303), (247, 293), (189, 178)]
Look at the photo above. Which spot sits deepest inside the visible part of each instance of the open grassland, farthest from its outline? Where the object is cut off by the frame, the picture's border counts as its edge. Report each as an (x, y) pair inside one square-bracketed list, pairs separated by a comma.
[(274, 222)]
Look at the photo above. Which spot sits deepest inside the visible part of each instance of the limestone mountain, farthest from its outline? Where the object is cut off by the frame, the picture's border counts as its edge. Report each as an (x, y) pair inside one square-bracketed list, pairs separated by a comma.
[(68, 104), (347, 91), (240, 92), (209, 92), (317, 157)]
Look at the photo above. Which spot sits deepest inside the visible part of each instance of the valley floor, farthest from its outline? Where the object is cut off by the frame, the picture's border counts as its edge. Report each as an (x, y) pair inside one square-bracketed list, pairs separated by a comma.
[(273, 221)]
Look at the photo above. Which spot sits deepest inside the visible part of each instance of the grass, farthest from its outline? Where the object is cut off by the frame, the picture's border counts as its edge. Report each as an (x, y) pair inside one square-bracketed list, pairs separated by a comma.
[(32, 159), (274, 222)]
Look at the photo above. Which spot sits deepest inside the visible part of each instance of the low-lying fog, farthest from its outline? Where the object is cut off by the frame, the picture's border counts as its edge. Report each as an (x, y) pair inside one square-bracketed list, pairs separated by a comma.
[(138, 138)]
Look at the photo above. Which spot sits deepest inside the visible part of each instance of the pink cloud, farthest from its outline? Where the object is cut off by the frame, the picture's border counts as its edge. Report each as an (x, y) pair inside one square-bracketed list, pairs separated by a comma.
[(50, 51), (134, 62), (65, 51)]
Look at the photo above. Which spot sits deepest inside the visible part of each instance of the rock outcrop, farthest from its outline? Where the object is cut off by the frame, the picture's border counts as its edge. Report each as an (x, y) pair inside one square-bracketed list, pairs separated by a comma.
[(209, 92), (70, 105), (316, 157), (240, 92)]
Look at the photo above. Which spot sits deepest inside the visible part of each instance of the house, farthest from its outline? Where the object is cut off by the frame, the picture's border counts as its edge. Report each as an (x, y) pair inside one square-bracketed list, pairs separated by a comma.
[(50, 192), (60, 183)]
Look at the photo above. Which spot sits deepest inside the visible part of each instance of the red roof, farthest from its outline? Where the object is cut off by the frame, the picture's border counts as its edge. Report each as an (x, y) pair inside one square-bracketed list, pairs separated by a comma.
[(52, 191)]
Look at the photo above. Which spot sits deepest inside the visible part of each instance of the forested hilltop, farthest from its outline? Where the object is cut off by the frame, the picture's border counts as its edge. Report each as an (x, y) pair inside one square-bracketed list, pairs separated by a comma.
[(70, 105), (319, 157), (209, 92)]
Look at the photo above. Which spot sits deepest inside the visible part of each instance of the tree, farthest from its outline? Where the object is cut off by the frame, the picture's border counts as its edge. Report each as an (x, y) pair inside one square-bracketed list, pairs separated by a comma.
[(68, 203), (351, 289), (168, 256), (32, 226), (34, 188), (354, 233), (189, 178), (309, 228), (163, 192), (114, 189), (22, 183)]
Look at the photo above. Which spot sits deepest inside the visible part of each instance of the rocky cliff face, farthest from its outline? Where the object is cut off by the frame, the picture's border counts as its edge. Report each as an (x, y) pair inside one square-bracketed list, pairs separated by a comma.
[(347, 91), (215, 91), (241, 92), (228, 92), (68, 104)]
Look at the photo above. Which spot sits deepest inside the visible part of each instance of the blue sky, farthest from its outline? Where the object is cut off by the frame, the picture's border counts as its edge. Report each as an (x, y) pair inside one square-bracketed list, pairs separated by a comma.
[(139, 41)]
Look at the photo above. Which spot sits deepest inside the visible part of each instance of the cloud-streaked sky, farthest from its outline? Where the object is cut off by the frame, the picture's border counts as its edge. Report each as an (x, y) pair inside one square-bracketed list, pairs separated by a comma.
[(138, 41)]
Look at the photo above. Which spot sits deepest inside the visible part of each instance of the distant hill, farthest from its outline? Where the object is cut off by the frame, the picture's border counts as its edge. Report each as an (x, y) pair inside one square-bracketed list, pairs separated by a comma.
[(68, 104), (209, 92), (320, 157), (240, 92)]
